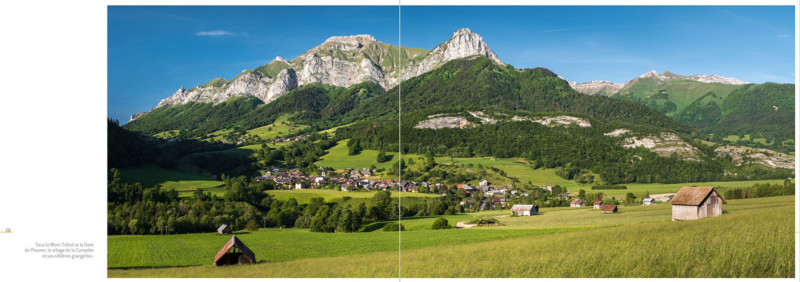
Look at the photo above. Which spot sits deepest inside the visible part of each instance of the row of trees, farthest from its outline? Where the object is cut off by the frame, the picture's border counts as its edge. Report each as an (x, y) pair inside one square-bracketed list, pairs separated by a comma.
[(761, 190)]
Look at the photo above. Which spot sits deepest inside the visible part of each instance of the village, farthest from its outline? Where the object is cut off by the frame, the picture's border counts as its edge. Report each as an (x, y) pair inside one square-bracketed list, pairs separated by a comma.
[(688, 203)]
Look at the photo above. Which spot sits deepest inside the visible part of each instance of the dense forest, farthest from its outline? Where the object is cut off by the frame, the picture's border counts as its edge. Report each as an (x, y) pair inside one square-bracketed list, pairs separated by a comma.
[(584, 148)]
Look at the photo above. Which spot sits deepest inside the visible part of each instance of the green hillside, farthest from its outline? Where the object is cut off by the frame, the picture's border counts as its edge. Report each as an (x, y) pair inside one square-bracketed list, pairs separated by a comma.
[(722, 111), (674, 96)]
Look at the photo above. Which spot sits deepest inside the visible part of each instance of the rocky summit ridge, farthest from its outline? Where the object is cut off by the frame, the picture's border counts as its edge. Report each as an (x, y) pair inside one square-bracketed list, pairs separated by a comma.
[(609, 88), (339, 61)]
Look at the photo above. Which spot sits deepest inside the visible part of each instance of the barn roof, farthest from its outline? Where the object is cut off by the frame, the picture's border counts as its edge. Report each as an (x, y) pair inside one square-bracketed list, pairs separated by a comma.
[(522, 208), (239, 245), (222, 227), (608, 208), (694, 196), (648, 200), (598, 202), (576, 201)]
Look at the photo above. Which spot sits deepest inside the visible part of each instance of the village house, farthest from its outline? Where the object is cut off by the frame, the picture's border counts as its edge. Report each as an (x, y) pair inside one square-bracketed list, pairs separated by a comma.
[(609, 209), (483, 183), (524, 210), (648, 201), (576, 203), (300, 185), (498, 202), (597, 205), (696, 202)]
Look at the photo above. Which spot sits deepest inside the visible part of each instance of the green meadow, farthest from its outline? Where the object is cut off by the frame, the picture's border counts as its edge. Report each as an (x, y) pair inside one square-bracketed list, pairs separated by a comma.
[(753, 238), (338, 158), (186, 178), (282, 127)]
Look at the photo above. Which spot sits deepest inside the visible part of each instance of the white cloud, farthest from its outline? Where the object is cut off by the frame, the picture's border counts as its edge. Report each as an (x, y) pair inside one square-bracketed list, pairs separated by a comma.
[(219, 32)]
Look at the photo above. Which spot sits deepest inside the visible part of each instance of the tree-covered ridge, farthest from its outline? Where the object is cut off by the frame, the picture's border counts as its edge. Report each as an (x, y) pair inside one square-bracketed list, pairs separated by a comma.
[(477, 81), (581, 148), (322, 106), (767, 109), (722, 110)]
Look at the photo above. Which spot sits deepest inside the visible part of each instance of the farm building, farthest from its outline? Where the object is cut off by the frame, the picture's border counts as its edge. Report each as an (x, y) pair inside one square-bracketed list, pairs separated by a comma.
[(524, 210), (696, 202), (648, 201), (663, 197), (598, 204), (577, 203), (234, 252), (609, 209), (224, 229)]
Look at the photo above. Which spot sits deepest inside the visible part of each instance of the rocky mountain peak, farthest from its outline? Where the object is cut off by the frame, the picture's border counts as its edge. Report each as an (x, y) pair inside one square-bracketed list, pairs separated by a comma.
[(465, 30), (279, 59), (667, 76), (352, 39), (651, 73), (465, 43)]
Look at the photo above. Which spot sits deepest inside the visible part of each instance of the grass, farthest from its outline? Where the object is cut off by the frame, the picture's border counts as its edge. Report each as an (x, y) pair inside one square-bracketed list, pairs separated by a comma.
[(753, 238), (338, 158), (281, 127), (275, 245), (185, 179)]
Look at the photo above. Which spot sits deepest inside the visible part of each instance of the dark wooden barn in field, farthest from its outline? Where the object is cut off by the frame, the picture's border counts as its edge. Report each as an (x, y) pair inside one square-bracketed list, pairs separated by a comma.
[(609, 209), (696, 202), (234, 252)]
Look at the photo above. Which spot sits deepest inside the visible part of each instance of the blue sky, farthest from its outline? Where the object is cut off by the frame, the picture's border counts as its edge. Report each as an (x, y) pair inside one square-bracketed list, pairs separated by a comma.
[(154, 50)]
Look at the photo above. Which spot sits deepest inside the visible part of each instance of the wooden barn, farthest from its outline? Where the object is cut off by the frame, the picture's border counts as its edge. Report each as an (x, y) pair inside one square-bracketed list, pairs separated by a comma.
[(609, 209), (696, 202), (224, 229), (234, 252), (577, 203), (524, 210), (648, 201), (597, 205)]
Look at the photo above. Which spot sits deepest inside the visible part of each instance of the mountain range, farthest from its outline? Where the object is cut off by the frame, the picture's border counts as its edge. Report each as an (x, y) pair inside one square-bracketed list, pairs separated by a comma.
[(339, 61), (461, 100), (602, 87)]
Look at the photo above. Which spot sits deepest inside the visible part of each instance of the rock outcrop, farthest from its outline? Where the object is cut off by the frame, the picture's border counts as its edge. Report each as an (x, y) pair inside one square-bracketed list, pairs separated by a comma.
[(744, 155), (597, 87)]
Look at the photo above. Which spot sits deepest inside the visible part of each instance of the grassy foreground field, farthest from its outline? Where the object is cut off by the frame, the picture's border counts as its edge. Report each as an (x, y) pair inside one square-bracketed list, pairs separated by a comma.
[(753, 238)]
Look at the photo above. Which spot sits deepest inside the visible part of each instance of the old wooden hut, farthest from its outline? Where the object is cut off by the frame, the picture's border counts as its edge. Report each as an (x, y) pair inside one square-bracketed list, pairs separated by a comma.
[(577, 203), (234, 252), (609, 209), (524, 210), (597, 205), (696, 202), (224, 229)]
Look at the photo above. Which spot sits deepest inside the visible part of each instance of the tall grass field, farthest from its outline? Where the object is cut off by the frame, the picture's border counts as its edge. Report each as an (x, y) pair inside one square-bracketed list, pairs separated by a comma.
[(752, 238)]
